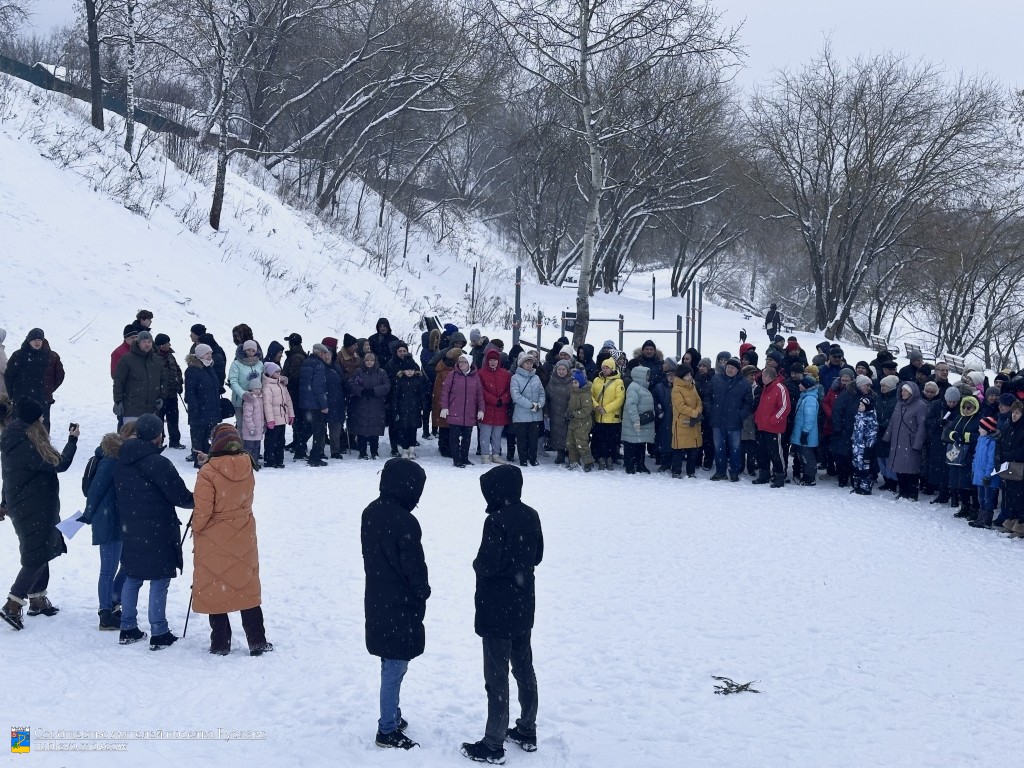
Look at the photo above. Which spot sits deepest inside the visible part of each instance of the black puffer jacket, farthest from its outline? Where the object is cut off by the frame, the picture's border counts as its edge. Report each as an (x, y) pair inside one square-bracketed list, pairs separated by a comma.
[(148, 489), (32, 494), (512, 546), (139, 379), (395, 597), (405, 400)]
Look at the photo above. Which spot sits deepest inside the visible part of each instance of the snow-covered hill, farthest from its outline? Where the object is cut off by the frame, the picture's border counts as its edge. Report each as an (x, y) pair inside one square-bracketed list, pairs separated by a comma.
[(880, 634)]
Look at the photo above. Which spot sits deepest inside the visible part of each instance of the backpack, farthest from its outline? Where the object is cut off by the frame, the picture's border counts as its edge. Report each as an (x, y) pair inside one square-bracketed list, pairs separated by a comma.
[(90, 473)]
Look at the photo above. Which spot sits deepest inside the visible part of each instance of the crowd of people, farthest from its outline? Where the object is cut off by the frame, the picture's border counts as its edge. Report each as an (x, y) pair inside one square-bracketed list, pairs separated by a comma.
[(133, 491)]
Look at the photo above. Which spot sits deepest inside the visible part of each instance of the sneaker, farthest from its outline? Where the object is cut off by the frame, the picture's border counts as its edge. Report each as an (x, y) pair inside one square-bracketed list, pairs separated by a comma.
[(11, 613), (526, 741), (394, 740), (534, 463), (129, 636), (778, 482), (108, 621), (162, 641), (41, 605), (191, 458), (760, 481), (808, 482), (260, 648), (317, 463), (403, 725), (220, 651), (734, 478), (691, 477), (481, 753), (394, 453), (177, 446)]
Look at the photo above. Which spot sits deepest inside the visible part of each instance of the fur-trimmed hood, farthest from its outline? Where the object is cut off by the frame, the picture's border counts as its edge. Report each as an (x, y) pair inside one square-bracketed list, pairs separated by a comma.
[(658, 355)]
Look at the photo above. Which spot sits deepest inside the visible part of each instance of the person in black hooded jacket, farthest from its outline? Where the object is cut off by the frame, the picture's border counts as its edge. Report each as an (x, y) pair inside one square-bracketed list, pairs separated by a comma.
[(512, 546), (381, 341), (397, 588)]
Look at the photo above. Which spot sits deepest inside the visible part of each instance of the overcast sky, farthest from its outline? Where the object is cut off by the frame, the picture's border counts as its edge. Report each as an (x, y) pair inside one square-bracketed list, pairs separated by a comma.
[(976, 36)]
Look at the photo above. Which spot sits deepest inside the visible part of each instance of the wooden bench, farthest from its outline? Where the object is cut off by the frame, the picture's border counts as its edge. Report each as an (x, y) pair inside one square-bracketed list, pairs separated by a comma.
[(747, 316), (786, 328), (911, 348), (956, 363), (879, 344)]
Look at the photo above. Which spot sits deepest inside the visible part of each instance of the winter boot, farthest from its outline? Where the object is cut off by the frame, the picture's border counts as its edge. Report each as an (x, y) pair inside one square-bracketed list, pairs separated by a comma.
[(779, 481), (526, 741), (560, 457), (481, 753), (129, 636), (485, 458), (258, 649), (162, 641), (496, 458), (40, 604), (108, 621), (394, 740), (11, 612), (588, 467), (572, 466)]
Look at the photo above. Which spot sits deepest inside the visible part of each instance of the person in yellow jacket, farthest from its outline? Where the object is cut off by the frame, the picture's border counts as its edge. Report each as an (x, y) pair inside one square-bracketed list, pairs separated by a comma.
[(609, 395), (687, 415)]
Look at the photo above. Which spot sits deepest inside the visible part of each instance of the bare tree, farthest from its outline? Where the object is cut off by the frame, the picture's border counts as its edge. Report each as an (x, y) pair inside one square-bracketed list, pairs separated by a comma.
[(593, 51), (852, 159), (13, 13)]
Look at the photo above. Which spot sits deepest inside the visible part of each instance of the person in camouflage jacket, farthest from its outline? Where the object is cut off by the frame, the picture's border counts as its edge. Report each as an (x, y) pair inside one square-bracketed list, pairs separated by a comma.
[(865, 434), (580, 413)]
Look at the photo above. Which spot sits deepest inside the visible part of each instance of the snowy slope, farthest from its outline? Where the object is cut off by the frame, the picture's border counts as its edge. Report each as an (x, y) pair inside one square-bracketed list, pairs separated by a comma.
[(880, 634)]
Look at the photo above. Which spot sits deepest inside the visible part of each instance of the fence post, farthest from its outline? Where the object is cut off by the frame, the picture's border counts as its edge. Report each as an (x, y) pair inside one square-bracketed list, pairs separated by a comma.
[(652, 297), (540, 324), (700, 312), (622, 328), (517, 318), (679, 338), (687, 315)]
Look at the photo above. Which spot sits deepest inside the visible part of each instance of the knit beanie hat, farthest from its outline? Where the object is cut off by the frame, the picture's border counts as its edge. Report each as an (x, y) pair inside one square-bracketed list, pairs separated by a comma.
[(319, 349), (993, 391), (796, 368), (36, 334), (819, 360), (747, 370), (669, 364), (225, 440), (203, 349), (161, 339), (811, 370), (847, 372), (474, 334), (608, 362), (270, 369), (649, 343), (563, 364), (889, 382), (524, 356), (808, 382), (930, 387), (27, 409), (246, 345), (1006, 399), (608, 344), (130, 331), (330, 342), (198, 329), (149, 426), (989, 424), (347, 340), (465, 359), (952, 395), (705, 361), (977, 378), (862, 381), (722, 356), (734, 362), (144, 336), (916, 355), (580, 377)]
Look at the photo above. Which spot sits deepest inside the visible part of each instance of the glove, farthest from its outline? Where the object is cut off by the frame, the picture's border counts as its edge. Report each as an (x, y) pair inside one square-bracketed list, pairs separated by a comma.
[(805, 437), (159, 403), (367, 392), (85, 520), (636, 426), (479, 415), (534, 406), (693, 422), (444, 413), (500, 403), (3, 513), (119, 409), (271, 424), (291, 420)]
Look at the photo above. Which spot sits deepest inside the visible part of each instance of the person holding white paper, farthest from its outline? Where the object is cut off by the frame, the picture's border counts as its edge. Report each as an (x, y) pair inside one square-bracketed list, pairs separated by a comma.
[(31, 498)]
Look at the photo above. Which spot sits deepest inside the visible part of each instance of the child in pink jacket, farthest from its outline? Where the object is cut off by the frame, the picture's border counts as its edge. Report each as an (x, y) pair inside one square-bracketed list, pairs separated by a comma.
[(278, 411)]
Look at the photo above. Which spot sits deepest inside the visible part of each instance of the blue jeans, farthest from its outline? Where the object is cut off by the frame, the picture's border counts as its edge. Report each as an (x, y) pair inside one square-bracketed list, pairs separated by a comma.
[(883, 468), (157, 604), (111, 575), (727, 445), (391, 673), (986, 503)]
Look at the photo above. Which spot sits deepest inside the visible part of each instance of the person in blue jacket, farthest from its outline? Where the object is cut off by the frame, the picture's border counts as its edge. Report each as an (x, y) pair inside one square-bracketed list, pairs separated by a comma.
[(983, 465), (732, 401), (805, 429)]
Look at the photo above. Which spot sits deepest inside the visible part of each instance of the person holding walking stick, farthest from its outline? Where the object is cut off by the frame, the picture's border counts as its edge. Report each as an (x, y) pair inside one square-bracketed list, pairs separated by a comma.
[(226, 562)]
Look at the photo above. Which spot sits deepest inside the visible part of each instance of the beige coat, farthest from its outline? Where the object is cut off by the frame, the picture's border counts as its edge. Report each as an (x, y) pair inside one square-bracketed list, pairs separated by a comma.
[(686, 405), (226, 570)]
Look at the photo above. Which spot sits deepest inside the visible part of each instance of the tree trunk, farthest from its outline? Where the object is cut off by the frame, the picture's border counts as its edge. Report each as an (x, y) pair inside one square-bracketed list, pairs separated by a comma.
[(222, 160), (129, 124), (95, 81)]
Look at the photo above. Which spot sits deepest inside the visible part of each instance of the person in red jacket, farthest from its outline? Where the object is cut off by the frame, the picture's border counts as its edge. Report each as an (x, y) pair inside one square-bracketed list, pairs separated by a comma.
[(496, 383), (130, 332), (771, 417)]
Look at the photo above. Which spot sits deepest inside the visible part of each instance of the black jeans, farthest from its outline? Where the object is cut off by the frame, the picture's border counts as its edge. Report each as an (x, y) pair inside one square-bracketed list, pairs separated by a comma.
[(300, 432), (498, 652), (273, 446), (690, 455), (604, 440), (768, 453), (633, 455), (31, 580), (200, 434), (406, 435), (527, 435), (368, 445), (317, 423), (459, 439), (252, 625), (908, 485), (170, 413)]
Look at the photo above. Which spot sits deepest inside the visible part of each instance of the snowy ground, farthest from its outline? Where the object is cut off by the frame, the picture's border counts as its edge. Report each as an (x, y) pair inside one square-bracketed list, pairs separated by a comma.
[(880, 634)]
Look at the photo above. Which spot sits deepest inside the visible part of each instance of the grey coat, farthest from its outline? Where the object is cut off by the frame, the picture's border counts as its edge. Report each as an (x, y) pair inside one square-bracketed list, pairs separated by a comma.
[(638, 400), (526, 389), (907, 432), (366, 408), (558, 403)]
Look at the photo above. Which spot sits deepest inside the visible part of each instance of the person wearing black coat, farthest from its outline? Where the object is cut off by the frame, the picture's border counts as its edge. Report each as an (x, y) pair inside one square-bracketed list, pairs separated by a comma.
[(148, 489), (940, 411), (405, 401), (336, 408), (202, 398), (702, 380), (220, 360), (314, 403), (843, 414), (381, 341), (290, 369), (31, 498), (731, 402), (512, 546), (397, 588), (34, 371), (1011, 448)]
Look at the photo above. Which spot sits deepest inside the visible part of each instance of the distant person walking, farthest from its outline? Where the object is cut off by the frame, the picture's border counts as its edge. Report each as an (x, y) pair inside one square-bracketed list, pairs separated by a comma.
[(773, 322)]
